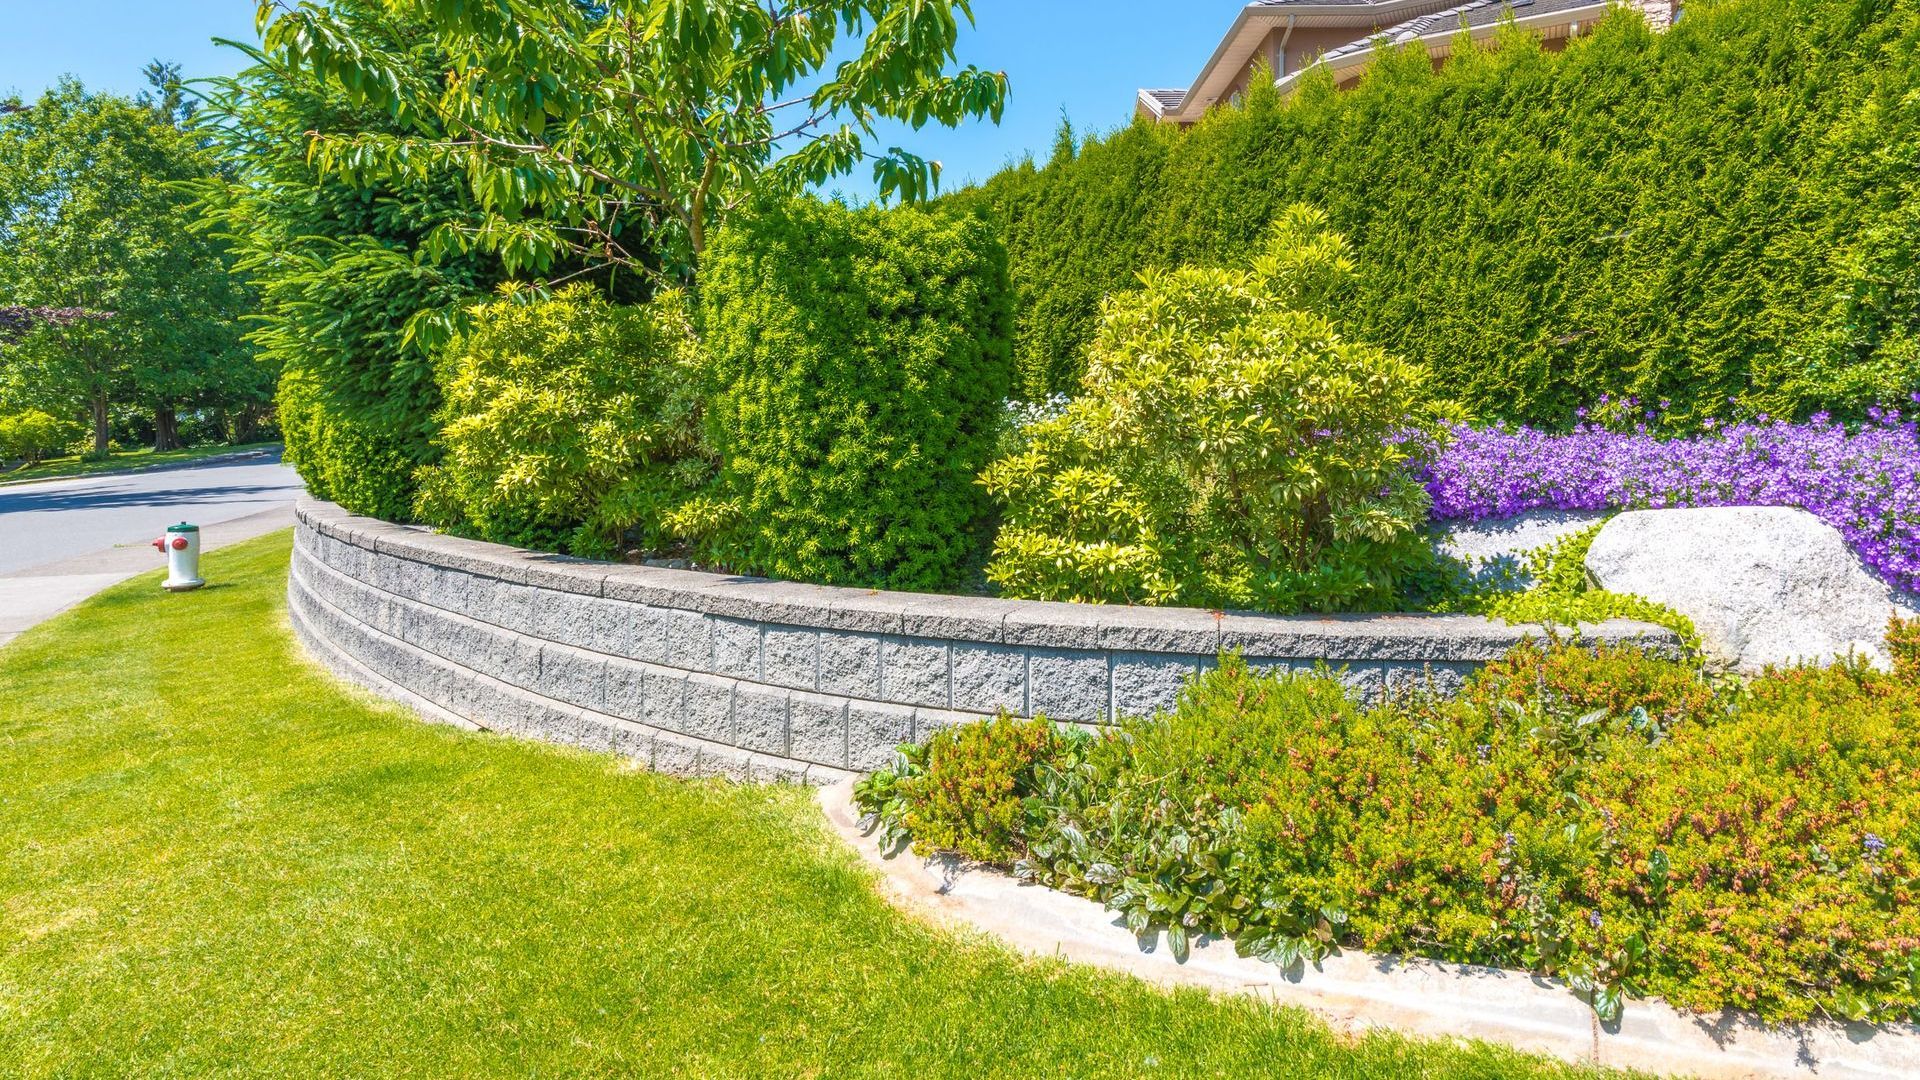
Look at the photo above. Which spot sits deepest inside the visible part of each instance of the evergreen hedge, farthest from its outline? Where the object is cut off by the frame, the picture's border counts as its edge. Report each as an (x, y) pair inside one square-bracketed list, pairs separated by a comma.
[(1727, 210), (861, 359)]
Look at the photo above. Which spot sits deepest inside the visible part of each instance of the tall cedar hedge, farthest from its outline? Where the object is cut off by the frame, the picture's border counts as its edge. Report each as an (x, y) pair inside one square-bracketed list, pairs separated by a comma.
[(861, 360), (1730, 209)]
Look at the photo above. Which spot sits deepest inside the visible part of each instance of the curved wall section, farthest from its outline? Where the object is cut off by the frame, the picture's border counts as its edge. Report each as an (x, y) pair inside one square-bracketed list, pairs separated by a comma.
[(709, 674)]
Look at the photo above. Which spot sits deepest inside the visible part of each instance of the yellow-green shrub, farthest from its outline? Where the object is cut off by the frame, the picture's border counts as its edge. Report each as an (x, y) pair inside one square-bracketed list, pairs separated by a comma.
[(568, 422), (1228, 448)]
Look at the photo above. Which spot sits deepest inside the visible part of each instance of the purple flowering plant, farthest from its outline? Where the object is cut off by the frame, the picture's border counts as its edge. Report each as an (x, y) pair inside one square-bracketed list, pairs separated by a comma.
[(1863, 480)]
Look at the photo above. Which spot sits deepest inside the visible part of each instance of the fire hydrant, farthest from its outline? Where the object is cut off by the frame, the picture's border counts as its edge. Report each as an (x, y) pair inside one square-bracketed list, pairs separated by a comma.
[(182, 548)]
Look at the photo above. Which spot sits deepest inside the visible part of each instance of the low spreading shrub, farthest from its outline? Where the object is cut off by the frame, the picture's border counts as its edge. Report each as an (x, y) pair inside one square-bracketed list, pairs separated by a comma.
[(1598, 814), (861, 361), (30, 436), (965, 788), (1228, 449), (568, 423)]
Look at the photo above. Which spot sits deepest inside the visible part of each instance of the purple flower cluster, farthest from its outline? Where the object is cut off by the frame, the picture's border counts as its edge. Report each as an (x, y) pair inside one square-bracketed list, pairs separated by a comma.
[(1863, 481)]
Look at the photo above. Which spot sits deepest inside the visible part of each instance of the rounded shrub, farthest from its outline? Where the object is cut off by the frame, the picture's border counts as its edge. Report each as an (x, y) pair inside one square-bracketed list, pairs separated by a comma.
[(860, 361), (568, 422), (1228, 448)]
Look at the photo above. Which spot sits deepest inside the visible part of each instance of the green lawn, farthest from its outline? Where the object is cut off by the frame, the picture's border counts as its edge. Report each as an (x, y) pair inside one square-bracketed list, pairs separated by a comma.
[(216, 860), (121, 462)]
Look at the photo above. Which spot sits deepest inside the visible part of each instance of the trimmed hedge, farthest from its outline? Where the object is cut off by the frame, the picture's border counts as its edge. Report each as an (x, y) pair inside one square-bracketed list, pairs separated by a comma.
[(861, 361), (1596, 814), (1730, 209)]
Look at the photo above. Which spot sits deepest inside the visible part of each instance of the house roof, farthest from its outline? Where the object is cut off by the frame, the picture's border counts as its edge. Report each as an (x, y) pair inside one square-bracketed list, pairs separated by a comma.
[(1479, 17), (1398, 21)]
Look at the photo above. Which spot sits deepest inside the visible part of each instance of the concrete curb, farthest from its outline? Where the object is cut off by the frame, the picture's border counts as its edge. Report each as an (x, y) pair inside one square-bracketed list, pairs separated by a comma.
[(1357, 991), (192, 463)]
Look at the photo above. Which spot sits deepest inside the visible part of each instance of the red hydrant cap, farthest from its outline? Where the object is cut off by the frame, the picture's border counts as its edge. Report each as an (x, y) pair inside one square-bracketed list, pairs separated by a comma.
[(179, 543), (160, 544)]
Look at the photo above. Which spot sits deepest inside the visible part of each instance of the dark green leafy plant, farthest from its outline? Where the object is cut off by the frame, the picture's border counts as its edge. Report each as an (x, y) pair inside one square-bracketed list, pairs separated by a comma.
[(569, 422), (859, 365), (348, 307)]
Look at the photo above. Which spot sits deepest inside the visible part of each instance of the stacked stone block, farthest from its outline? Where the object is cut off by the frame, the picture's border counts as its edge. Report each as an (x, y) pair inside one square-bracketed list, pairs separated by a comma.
[(709, 674)]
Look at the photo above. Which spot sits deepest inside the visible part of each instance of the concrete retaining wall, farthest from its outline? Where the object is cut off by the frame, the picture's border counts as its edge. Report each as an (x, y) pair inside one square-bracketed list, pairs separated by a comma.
[(708, 674)]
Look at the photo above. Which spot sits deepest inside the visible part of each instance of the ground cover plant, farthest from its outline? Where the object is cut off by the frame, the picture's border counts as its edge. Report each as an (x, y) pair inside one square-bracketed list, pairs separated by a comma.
[(236, 866), (1594, 813), (1863, 479), (1725, 209)]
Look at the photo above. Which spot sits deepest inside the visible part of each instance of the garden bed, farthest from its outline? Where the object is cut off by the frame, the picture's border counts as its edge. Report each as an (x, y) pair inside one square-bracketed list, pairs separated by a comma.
[(1359, 991)]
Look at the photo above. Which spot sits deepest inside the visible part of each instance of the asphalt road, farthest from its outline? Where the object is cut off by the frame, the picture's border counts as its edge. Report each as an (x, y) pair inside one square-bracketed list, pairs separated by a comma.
[(61, 519), (61, 541)]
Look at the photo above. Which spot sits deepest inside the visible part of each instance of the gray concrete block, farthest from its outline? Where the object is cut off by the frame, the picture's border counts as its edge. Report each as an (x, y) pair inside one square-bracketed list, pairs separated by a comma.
[(736, 648), (1147, 683), (604, 626), (724, 763), (868, 612), (626, 689), (928, 721), (690, 641), (1441, 680), (790, 656), (1162, 630), (575, 677), (817, 729), (913, 671), (664, 700), (558, 573), (708, 713), (874, 731), (1069, 684), (1064, 626), (447, 589), (989, 678), (647, 634), (850, 664), (675, 756), (633, 742), (760, 719), (957, 618)]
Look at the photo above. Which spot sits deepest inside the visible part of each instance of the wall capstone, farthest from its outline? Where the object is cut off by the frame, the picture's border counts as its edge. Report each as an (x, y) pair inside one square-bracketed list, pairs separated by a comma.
[(716, 675)]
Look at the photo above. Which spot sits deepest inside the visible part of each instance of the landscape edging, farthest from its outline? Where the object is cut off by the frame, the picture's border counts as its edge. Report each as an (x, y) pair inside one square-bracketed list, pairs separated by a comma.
[(712, 674), (1357, 991)]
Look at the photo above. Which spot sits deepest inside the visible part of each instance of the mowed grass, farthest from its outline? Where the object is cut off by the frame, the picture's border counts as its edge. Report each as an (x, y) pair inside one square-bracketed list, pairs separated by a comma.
[(215, 860), (122, 461)]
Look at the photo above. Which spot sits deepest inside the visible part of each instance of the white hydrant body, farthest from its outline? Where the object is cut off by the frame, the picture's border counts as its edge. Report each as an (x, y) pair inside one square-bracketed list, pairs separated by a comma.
[(182, 546)]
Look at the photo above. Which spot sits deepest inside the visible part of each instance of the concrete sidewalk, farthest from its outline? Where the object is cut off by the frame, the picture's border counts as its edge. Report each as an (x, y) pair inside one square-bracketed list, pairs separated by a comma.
[(32, 596)]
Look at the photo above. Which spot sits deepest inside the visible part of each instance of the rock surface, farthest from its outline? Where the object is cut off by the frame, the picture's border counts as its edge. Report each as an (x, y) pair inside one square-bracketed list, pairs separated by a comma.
[(1763, 585), (1496, 550)]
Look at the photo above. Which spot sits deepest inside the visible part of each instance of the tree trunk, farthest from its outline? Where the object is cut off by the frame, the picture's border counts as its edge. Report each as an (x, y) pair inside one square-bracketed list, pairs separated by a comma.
[(102, 438), (166, 430)]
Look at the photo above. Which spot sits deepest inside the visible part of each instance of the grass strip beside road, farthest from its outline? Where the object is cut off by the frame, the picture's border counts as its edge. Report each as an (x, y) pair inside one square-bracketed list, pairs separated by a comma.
[(219, 860), (124, 461)]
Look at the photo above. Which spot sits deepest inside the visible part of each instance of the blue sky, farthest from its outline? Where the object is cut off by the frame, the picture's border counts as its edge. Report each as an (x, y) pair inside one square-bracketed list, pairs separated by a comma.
[(1086, 55)]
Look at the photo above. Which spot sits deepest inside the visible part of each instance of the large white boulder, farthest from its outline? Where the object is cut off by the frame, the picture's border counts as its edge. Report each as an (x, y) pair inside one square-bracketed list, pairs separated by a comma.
[(1764, 585)]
